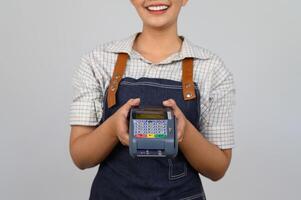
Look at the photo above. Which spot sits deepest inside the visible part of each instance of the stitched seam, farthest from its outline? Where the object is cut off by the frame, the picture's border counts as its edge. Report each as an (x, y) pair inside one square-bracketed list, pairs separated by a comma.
[(192, 197), (203, 196), (153, 84), (173, 177), (148, 82)]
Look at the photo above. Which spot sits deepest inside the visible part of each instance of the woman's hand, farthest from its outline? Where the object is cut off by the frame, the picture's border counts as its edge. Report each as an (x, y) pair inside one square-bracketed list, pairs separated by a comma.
[(121, 122), (181, 119)]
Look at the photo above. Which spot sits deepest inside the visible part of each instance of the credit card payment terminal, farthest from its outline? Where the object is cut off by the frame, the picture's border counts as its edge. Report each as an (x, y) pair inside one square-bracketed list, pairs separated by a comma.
[(152, 132)]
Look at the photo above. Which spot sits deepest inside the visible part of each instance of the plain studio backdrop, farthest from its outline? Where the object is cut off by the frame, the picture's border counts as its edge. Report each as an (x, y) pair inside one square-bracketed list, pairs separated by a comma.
[(41, 44)]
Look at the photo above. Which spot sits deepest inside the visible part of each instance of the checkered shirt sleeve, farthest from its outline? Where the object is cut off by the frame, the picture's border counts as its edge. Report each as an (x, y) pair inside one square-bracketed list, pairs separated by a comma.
[(86, 107), (216, 122)]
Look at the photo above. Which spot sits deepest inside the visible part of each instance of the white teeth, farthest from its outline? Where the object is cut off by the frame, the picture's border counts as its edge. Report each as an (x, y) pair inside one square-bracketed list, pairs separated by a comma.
[(157, 7)]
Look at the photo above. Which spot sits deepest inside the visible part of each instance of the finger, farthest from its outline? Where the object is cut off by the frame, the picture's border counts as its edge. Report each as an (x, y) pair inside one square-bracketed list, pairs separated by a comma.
[(180, 128), (124, 136), (179, 115), (120, 140), (123, 141), (179, 131), (180, 135), (173, 105), (126, 139), (126, 142), (131, 102)]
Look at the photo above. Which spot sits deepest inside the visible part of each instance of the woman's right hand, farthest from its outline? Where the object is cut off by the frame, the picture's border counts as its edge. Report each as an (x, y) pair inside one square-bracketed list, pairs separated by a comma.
[(120, 121)]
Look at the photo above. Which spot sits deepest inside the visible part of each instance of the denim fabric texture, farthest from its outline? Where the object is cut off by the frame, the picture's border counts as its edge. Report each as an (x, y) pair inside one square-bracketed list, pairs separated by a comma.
[(121, 177)]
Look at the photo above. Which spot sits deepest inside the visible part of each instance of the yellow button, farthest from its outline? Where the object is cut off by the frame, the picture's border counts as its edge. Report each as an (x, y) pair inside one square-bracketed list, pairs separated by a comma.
[(150, 135)]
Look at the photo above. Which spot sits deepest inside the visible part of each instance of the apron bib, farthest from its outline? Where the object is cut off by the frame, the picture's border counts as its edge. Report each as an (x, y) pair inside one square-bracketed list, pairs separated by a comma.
[(121, 177)]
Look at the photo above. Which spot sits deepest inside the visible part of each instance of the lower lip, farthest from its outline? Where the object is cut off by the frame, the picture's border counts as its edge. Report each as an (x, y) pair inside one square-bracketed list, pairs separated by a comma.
[(157, 12)]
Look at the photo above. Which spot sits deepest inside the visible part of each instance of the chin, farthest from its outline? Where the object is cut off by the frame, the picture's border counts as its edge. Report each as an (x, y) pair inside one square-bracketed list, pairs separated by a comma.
[(157, 24)]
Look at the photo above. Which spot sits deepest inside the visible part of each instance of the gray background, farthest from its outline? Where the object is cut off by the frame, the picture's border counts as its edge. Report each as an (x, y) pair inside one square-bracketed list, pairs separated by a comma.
[(40, 46)]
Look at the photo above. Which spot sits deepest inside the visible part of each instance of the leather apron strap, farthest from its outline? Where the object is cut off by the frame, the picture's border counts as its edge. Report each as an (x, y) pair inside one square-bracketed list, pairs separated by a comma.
[(116, 78), (187, 78)]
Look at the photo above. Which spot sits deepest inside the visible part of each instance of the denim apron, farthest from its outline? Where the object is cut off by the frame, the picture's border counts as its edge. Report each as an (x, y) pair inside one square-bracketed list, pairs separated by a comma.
[(121, 177)]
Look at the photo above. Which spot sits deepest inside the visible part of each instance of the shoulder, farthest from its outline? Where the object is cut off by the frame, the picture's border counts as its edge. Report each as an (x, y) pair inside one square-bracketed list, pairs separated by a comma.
[(97, 63), (211, 63), (100, 53), (210, 58), (99, 60), (211, 71)]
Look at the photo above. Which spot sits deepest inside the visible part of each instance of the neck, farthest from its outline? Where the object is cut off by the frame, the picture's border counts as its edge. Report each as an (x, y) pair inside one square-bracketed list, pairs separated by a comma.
[(158, 41)]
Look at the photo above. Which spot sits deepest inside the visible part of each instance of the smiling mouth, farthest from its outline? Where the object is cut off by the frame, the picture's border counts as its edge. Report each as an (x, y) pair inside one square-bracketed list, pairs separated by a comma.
[(157, 9)]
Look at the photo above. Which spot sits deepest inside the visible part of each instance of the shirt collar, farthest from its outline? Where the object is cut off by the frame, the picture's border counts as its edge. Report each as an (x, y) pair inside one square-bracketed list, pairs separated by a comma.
[(188, 49)]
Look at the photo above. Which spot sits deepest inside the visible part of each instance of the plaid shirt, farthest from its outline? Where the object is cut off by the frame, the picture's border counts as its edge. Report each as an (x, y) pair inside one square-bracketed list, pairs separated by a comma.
[(215, 83)]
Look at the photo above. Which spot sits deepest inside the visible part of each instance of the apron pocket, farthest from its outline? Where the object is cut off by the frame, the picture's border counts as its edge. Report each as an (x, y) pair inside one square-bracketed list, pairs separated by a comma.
[(177, 169)]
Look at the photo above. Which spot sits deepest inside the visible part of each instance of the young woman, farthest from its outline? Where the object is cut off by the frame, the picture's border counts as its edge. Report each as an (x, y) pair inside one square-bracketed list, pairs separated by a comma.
[(153, 67)]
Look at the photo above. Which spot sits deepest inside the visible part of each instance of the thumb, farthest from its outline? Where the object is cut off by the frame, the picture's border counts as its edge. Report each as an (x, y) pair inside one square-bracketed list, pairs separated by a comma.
[(130, 103)]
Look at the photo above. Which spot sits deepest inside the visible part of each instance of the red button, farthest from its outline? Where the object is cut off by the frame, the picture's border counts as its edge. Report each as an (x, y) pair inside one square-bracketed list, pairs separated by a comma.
[(139, 135)]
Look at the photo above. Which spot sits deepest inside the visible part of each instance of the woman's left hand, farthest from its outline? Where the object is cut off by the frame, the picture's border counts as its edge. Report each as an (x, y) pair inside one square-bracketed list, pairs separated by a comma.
[(181, 119)]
